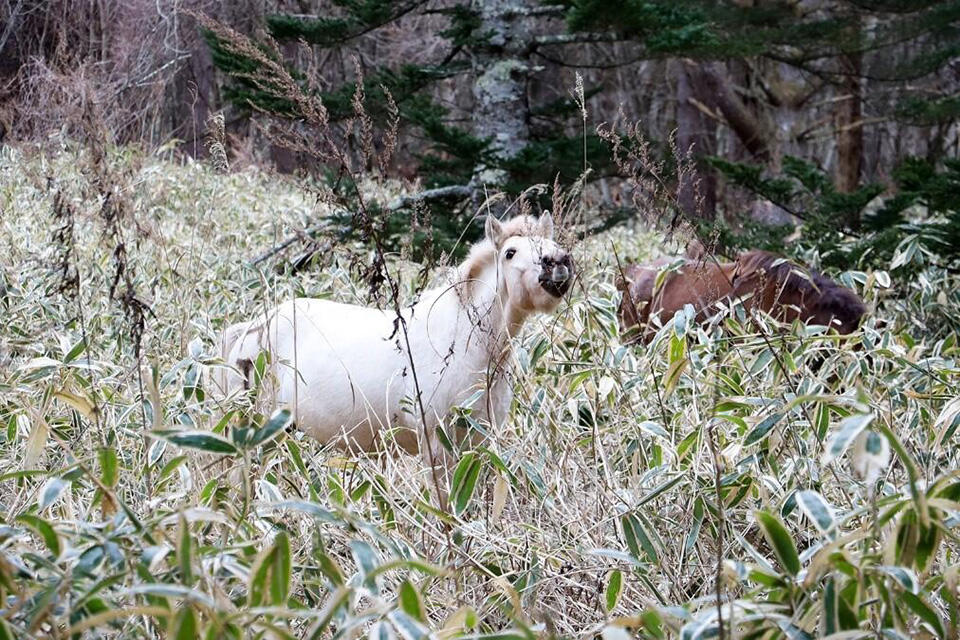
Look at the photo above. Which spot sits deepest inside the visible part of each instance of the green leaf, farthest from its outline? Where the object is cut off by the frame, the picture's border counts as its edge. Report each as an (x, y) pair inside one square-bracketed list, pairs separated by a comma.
[(90, 560), (637, 538), (410, 601), (330, 608), (821, 420), (699, 629), (108, 466), (281, 568), (924, 612), (367, 561), (947, 422), (41, 604), (819, 511), (830, 621), (330, 569), (52, 491), (257, 586), (407, 627), (927, 545), (792, 631), (913, 474), (694, 532), (185, 552), (156, 452), (276, 424), (465, 477), (44, 530), (672, 377), (659, 489), (308, 508), (171, 466), (294, 449), (380, 631), (77, 349), (779, 539), (904, 577), (850, 427), (654, 429), (687, 444), (202, 440), (760, 431), (269, 582), (183, 626), (614, 589)]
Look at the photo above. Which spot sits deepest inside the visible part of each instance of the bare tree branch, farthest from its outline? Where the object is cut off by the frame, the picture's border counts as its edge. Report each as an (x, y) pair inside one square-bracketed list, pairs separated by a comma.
[(10, 24), (308, 235), (713, 85), (554, 11), (575, 38), (430, 194)]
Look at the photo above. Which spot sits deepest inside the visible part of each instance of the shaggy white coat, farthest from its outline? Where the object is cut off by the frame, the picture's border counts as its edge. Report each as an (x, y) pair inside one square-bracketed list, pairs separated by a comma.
[(346, 371)]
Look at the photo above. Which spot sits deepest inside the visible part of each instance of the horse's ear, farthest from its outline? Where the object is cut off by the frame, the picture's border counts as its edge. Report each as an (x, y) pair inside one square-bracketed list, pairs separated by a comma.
[(546, 224), (494, 231), (695, 249)]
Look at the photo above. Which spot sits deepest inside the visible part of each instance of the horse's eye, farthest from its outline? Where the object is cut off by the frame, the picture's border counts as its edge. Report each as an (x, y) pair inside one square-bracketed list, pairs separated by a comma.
[(509, 253)]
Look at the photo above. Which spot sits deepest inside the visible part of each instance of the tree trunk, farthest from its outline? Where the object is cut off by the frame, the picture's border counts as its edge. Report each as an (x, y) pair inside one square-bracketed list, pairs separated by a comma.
[(500, 90), (849, 126), (713, 88), (696, 132)]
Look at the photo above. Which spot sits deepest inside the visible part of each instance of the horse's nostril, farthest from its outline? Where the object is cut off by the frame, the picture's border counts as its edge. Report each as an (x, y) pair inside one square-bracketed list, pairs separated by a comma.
[(548, 261)]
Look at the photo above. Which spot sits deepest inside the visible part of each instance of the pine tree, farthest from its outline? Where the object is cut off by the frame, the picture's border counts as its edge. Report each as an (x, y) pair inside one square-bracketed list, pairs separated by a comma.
[(489, 45), (838, 47), (894, 49)]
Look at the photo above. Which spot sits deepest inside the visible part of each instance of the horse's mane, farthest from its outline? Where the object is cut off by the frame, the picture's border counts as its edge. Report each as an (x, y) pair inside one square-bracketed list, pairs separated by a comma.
[(789, 277), (483, 253), (818, 291)]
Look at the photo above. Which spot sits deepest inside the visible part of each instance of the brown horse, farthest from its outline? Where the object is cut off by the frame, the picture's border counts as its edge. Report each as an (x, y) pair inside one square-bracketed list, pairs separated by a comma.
[(700, 284), (757, 278)]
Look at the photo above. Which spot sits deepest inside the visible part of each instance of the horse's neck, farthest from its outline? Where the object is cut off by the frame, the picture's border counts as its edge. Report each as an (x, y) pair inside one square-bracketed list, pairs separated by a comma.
[(500, 316), (475, 312)]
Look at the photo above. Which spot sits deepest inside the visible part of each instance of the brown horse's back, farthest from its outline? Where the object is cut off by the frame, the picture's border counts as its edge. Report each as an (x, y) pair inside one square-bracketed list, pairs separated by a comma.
[(789, 292), (760, 279), (697, 283)]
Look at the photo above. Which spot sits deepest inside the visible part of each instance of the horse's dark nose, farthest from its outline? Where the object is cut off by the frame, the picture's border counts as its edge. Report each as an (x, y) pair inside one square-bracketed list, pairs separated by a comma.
[(556, 274)]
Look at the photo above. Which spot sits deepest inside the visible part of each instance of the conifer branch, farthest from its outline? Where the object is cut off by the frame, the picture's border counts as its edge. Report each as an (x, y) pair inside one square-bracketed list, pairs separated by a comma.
[(397, 204), (430, 194), (575, 38)]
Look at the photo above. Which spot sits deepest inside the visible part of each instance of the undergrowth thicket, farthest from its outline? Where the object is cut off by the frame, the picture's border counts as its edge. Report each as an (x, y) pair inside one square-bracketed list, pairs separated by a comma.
[(791, 484)]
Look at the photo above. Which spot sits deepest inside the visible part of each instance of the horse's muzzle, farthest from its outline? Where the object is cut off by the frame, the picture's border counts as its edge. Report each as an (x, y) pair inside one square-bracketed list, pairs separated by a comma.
[(556, 275)]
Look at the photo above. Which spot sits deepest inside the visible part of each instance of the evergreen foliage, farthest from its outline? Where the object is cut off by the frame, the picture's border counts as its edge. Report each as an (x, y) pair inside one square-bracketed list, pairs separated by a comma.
[(921, 218), (904, 41), (453, 153), (917, 37)]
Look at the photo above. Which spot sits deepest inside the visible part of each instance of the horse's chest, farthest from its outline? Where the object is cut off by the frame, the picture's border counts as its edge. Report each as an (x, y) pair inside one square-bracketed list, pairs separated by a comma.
[(457, 379)]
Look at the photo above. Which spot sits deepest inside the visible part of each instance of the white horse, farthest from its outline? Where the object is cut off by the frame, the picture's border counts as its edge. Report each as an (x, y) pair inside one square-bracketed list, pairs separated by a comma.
[(350, 374)]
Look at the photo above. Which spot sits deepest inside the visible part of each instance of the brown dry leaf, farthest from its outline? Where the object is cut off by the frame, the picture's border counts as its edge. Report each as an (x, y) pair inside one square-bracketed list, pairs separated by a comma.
[(36, 442), (86, 408), (500, 492)]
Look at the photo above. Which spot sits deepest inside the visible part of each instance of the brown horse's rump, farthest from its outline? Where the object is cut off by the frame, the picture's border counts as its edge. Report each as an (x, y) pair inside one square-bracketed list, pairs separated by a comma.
[(759, 279)]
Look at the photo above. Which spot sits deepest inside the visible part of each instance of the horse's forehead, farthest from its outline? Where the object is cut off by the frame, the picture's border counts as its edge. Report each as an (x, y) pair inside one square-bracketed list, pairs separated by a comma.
[(537, 243)]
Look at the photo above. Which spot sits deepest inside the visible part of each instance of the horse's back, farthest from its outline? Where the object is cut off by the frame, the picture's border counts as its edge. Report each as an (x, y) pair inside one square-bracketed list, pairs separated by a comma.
[(698, 283), (328, 360)]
